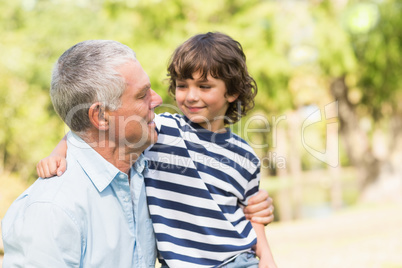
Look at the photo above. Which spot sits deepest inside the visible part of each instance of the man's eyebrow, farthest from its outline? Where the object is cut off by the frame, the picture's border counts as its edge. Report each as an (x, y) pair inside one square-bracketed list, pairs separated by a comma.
[(144, 89)]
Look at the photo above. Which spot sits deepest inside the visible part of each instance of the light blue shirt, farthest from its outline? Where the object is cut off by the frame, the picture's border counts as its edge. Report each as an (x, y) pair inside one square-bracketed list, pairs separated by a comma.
[(89, 217)]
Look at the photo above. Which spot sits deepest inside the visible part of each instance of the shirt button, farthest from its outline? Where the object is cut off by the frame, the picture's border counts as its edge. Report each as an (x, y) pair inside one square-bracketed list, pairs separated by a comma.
[(122, 176), (126, 199)]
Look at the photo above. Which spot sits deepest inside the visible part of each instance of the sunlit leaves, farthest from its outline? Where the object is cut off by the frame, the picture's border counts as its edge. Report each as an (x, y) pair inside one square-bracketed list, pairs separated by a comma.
[(292, 48)]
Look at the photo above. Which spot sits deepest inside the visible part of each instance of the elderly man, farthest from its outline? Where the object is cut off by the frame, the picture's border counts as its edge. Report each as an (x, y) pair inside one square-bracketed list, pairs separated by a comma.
[(95, 214)]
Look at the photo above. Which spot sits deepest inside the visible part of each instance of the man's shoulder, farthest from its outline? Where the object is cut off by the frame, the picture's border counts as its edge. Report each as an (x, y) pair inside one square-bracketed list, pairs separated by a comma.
[(63, 193), (56, 190)]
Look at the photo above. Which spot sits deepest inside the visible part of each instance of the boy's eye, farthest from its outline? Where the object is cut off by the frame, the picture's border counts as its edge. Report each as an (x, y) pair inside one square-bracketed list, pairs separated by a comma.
[(180, 86), (205, 86)]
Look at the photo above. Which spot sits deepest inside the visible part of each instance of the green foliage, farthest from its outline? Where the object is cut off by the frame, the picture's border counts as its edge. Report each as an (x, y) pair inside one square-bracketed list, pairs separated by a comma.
[(380, 56), (292, 49), (364, 43)]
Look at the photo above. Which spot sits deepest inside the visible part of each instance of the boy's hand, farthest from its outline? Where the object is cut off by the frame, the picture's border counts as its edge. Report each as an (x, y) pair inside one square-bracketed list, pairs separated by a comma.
[(51, 166), (260, 208)]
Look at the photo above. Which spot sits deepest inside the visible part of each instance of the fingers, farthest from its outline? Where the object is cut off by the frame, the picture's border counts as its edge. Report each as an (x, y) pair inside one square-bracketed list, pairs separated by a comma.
[(52, 167), (259, 197), (46, 171), (62, 167), (264, 217), (263, 220), (251, 209), (39, 170), (267, 212), (47, 167), (260, 208), (42, 169)]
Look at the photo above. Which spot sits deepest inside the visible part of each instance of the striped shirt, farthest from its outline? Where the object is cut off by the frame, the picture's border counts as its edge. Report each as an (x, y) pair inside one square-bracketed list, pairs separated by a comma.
[(195, 184)]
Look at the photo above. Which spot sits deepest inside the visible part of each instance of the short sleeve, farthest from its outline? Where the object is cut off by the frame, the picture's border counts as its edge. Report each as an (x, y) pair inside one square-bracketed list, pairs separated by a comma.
[(44, 235), (252, 186)]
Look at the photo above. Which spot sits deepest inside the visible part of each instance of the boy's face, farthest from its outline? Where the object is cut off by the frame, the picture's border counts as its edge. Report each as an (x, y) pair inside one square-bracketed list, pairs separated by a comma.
[(203, 101)]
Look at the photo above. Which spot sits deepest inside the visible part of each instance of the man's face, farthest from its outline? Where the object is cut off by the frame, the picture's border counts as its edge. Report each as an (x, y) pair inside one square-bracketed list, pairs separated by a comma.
[(132, 123)]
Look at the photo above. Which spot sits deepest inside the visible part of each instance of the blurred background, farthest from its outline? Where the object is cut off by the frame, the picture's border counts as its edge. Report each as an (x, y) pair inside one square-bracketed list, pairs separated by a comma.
[(327, 123)]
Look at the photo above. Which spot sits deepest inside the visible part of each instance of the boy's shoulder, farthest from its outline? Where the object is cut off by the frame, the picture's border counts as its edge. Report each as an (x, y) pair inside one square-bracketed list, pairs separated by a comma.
[(242, 147), (168, 119), (235, 138), (167, 115)]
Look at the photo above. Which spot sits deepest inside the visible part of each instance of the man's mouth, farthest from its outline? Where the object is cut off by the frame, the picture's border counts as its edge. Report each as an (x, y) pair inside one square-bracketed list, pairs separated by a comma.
[(152, 122)]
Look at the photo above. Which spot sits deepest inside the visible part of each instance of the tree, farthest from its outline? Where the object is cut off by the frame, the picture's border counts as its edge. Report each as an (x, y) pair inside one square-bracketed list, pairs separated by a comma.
[(364, 78)]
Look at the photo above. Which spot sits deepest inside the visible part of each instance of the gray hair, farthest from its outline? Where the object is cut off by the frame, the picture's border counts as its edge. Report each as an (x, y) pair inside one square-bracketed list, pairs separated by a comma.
[(87, 73)]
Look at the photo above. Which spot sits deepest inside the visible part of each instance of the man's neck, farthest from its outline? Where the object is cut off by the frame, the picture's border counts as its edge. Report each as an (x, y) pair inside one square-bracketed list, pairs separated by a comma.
[(122, 157)]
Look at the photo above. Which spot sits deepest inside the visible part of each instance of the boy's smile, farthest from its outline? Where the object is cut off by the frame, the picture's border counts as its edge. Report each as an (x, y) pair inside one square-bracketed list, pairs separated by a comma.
[(193, 109), (203, 101)]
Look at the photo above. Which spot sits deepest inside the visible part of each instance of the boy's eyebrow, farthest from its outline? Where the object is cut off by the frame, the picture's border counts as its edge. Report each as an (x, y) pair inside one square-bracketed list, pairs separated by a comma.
[(182, 79)]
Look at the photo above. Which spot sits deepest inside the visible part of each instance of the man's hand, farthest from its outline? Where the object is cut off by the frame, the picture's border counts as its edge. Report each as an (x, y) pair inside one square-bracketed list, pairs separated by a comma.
[(260, 208)]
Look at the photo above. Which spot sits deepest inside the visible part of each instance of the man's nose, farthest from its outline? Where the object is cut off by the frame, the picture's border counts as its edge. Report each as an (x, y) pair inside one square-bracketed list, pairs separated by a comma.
[(156, 100)]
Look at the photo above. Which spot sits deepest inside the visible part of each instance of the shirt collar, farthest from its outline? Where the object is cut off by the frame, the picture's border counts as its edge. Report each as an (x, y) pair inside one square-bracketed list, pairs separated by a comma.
[(99, 170), (140, 164)]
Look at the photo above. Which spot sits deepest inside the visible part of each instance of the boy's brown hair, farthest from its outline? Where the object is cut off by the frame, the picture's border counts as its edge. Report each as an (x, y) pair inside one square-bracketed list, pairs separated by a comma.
[(223, 58)]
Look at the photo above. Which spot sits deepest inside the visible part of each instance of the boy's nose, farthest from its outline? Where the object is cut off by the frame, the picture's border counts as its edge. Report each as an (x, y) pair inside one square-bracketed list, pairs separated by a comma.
[(192, 95)]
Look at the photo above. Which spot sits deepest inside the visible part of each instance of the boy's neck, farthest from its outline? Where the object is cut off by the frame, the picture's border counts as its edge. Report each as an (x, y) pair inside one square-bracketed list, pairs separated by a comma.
[(214, 126)]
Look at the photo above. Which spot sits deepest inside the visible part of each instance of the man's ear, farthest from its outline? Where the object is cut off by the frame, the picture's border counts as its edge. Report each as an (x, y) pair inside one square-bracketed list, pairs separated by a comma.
[(98, 116)]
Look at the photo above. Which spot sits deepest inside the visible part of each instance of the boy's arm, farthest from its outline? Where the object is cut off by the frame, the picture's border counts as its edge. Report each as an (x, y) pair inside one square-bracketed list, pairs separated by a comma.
[(55, 163), (262, 249)]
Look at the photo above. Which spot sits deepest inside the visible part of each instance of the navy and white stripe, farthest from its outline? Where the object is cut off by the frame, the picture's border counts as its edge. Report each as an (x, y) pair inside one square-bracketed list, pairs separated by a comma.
[(195, 184)]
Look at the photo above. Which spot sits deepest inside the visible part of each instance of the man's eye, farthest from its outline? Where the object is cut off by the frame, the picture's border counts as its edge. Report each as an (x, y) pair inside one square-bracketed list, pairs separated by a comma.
[(143, 96)]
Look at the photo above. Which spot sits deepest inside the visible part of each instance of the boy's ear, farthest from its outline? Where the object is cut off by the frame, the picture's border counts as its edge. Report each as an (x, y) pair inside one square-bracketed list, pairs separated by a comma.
[(98, 116), (232, 98)]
